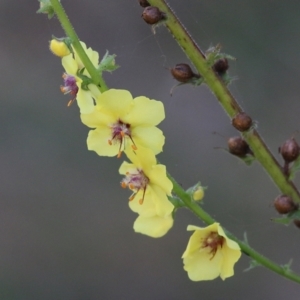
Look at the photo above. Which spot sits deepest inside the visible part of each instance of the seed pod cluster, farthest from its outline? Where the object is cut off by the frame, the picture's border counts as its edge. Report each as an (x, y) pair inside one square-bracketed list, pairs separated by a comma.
[(152, 15), (284, 204), (183, 73), (242, 122)]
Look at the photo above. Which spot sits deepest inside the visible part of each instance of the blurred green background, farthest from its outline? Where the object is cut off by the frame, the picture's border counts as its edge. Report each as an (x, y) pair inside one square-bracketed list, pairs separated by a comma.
[(65, 226)]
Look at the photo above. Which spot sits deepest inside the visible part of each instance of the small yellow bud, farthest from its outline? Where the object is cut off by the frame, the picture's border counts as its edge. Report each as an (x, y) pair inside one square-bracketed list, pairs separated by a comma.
[(59, 48), (198, 193)]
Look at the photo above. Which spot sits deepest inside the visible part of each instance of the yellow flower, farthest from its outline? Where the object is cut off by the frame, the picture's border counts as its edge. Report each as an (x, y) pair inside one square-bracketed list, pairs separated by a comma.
[(59, 48), (73, 83), (150, 187), (123, 123), (210, 253)]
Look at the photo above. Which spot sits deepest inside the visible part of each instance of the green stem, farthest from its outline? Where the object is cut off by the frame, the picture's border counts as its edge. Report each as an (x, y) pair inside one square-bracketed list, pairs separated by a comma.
[(262, 260), (226, 99), (70, 32)]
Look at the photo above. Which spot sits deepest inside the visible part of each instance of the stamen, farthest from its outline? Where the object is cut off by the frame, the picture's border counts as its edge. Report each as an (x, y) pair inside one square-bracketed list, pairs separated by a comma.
[(123, 185), (71, 102), (110, 142), (134, 147)]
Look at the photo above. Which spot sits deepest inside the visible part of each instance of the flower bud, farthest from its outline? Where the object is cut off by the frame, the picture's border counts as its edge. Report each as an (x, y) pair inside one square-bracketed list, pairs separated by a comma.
[(241, 121), (289, 150), (198, 194), (284, 204), (152, 15), (238, 146), (183, 73), (59, 48), (144, 3), (221, 66)]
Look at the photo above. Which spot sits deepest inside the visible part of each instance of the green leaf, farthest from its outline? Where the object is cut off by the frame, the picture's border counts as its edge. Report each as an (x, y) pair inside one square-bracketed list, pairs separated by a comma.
[(177, 202), (253, 264), (294, 169), (287, 219), (108, 63)]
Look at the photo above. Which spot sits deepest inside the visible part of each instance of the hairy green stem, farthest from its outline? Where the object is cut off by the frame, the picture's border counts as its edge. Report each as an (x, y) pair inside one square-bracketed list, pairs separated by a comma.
[(70, 32), (226, 99), (260, 259)]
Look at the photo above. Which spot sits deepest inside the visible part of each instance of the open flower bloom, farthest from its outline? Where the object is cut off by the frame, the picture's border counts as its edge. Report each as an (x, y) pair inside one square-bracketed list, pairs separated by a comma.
[(150, 187), (123, 123), (73, 83), (210, 253)]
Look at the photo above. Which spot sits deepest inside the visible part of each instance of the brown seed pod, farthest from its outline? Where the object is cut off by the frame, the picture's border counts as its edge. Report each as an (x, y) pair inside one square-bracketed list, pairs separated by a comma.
[(297, 223), (183, 73), (284, 204), (221, 66), (144, 3), (241, 121), (238, 146), (290, 150), (152, 15)]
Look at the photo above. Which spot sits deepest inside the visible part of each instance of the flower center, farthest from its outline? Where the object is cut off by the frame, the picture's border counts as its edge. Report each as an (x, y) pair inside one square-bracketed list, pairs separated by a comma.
[(213, 240), (136, 180), (120, 131), (69, 86)]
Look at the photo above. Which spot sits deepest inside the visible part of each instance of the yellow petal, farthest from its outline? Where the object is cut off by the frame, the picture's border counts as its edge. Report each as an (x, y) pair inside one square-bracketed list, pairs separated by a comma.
[(98, 141), (146, 112), (154, 226), (162, 204), (115, 102), (158, 176), (201, 265), (69, 64), (148, 137), (231, 256), (85, 101)]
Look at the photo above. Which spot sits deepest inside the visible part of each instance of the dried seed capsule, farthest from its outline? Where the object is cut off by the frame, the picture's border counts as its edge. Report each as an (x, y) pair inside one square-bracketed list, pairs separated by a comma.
[(144, 3), (183, 73), (297, 223), (284, 204), (241, 121), (238, 146), (290, 150), (152, 15), (221, 66)]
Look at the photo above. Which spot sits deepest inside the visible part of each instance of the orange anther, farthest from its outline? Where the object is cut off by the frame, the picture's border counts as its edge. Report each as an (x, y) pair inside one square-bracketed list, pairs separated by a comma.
[(123, 185), (110, 142), (134, 147)]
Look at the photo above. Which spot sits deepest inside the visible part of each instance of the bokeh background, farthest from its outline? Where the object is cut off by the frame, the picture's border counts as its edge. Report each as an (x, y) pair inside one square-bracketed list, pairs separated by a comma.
[(65, 226)]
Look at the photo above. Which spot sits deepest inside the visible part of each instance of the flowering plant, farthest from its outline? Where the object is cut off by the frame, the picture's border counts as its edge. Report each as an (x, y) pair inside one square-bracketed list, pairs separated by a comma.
[(125, 125)]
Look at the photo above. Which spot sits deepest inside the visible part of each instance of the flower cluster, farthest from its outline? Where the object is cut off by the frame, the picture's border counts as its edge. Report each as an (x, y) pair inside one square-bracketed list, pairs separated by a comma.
[(122, 124)]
